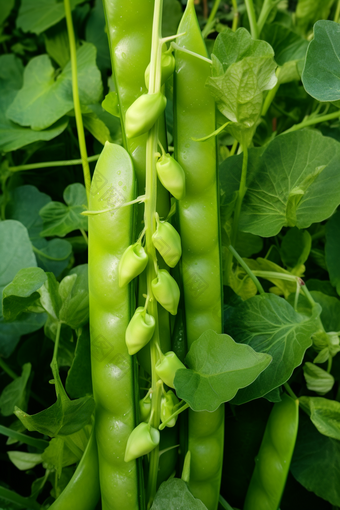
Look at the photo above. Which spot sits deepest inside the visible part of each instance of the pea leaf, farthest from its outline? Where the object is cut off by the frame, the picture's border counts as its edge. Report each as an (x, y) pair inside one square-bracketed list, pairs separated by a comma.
[(321, 74), (288, 46), (95, 34), (64, 417), (78, 382), (5, 9), (269, 324), (60, 219), (332, 249), (56, 43), (38, 15), (43, 99), (23, 460), (175, 495), (293, 181), (218, 368), (325, 414), (295, 248), (12, 135), (242, 70), (14, 393), (314, 454), (57, 455), (22, 291), (172, 13), (74, 292), (330, 315), (317, 379), (24, 206), (16, 253)]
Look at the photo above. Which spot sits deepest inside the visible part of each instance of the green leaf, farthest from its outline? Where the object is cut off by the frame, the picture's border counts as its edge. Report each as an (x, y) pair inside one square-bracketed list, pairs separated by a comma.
[(218, 368), (310, 11), (79, 382), (95, 34), (24, 461), (38, 15), (242, 70), (5, 9), (248, 244), (295, 248), (57, 455), (101, 124), (13, 136), (74, 293), (321, 74), (332, 250), (60, 219), (175, 495), (269, 324), (14, 393), (57, 45), (317, 379), (54, 256), (325, 414), (22, 291), (330, 315), (293, 181), (43, 99), (64, 417), (286, 287), (49, 296), (315, 455)]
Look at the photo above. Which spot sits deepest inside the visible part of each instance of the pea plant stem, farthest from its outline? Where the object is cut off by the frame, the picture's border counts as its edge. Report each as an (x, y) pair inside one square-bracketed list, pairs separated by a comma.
[(290, 391), (236, 16), (337, 12), (211, 19), (76, 101), (24, 438), (13, 497), (49, 164), (150, 227), (267, 6), (313, 120), (247, 269), (252, 19)]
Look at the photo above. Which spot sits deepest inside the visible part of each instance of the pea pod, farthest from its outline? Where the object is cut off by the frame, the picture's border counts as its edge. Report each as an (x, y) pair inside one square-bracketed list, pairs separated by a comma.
[(273, 460), (168, 67), (171, 175), (143, 114), (142, 440), (167, 241), (145, 408), (139, 331), (167, 367), (169, 400), (166, 291), (112, 367), (132, 263), (198, 213)]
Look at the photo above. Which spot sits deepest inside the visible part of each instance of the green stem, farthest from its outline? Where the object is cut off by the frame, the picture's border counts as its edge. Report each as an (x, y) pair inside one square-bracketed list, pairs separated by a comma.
[(337, 12), (236, 16), (54, 362), (211, 19), (233, 149), (329, 364), (270, 97), (313, 121), (252, 19), (192, 53), (76, 101), (247, 269), (176, 413), (290, 391), (265, 11), (48, 257), (224, 503), (41, 444), (7, 369), (83, 233), (150, 227), (49, 164), (13, 497)]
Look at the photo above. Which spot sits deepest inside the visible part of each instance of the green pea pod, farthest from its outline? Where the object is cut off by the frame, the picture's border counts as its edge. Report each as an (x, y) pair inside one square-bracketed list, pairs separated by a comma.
[(171, 175), (145, 409), (168, 403), (274, 458), (143, 113), (133, 262), (166, 291), (139, 331), (168, 66), (167, 367), (142, 440), (167, 241)]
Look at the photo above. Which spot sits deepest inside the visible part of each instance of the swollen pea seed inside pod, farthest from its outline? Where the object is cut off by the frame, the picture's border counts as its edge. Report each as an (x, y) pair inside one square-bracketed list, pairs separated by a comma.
[(166, 291), (171, 175), (167, 367), (142, 440), (167, 241), (133, 262), (143, 113), (139, 331)]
